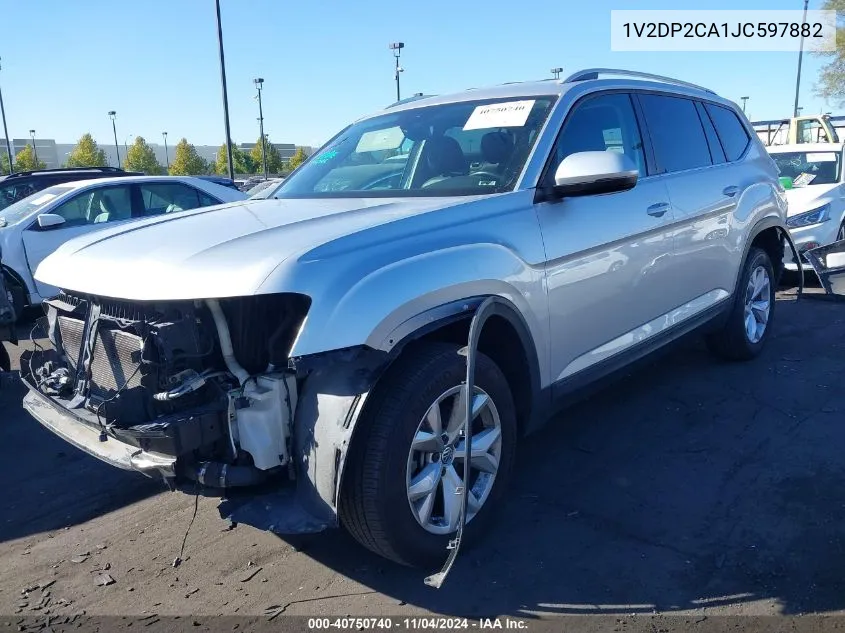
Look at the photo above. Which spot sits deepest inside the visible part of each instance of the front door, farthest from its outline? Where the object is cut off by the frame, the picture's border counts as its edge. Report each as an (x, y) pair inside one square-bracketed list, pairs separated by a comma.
[(608, 256)]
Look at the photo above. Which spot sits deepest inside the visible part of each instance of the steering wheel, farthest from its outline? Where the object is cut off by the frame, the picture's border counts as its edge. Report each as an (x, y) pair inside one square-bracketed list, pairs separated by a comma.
[(486, 174)]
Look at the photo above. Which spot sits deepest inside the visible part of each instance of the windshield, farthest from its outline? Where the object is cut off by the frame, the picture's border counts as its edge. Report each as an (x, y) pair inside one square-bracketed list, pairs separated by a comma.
[(268, 191), (468, 148), (809, 168), (22, 208), (261, 186)]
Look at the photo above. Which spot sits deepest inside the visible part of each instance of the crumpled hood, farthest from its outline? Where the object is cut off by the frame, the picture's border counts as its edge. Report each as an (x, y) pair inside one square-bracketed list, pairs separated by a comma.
[(801, 199), (220, 251)]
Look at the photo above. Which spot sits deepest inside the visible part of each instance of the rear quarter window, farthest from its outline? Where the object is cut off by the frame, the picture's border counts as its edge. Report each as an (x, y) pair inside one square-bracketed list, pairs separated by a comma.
[(732, 133)]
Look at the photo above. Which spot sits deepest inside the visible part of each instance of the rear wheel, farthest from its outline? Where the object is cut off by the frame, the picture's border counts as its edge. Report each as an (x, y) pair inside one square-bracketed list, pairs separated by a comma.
[(399, 496), (749, 323)]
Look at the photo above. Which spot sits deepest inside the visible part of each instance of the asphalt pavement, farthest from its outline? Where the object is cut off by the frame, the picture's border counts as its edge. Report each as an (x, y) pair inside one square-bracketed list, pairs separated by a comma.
[(692, 486)]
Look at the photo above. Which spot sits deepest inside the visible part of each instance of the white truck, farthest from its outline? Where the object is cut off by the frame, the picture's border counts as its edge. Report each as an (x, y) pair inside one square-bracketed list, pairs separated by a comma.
[(811, 128)]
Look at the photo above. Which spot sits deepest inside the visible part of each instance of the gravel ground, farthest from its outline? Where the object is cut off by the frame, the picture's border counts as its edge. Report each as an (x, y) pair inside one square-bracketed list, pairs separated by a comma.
[(690, 486)]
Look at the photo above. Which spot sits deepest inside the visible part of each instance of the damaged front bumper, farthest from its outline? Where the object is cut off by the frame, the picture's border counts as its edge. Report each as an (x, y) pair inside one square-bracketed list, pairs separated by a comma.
[(77, 431), (274, 445)]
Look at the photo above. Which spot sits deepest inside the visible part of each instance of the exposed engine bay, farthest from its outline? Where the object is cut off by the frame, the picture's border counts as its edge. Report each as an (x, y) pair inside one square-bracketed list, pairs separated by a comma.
[(204, 385)]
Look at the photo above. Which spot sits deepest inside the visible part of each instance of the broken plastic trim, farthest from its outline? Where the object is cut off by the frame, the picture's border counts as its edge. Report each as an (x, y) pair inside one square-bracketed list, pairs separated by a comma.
[(831, 277), (485, 310)]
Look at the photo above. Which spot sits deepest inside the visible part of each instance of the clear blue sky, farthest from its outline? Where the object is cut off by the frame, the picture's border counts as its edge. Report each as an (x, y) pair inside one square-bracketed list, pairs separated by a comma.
[(325, 62)]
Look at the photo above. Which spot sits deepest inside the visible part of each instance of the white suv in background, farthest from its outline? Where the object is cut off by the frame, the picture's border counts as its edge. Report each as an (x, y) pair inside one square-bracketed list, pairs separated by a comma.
[(815, 190), (32, 228)]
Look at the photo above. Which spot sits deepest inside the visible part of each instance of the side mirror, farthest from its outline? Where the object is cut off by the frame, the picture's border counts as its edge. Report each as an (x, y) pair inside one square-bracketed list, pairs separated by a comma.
[(49, 220), (591, 173)]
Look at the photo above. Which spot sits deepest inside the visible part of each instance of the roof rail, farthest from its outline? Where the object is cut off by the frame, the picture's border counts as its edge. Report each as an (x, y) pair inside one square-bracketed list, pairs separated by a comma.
[(407, 100), (63, 170), (593, 73)]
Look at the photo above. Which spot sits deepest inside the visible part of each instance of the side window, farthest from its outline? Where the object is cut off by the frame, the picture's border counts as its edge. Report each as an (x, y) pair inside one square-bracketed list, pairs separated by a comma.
[(676, 132), (11, 193), (603, 123), (716, 151), (108, 204), (168, 197), (206, 200), (730, 129), (811, 131)]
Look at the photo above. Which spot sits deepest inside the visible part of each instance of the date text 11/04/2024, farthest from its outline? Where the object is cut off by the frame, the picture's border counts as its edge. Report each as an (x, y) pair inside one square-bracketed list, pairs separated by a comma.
[(724, 30), (414, 623)]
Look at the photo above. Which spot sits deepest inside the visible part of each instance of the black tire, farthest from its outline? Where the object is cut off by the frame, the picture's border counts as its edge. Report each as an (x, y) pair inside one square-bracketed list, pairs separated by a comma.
[(5, 361), (373, 505), (732, 341)]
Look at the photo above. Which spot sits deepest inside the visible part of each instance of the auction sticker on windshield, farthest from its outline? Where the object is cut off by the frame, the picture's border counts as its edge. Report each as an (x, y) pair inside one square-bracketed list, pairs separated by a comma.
[(508, 114)]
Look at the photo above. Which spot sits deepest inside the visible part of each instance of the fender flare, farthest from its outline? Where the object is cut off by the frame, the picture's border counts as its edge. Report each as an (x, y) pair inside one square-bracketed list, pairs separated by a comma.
[(760, 226)]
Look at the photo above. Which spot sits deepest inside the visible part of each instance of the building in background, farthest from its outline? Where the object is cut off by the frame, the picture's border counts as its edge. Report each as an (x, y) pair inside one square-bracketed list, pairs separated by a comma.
[(46, 149), (286, 150)]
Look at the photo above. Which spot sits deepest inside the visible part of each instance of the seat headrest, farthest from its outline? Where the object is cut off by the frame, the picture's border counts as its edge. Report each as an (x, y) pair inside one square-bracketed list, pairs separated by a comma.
[(444, 157), (496, 147)]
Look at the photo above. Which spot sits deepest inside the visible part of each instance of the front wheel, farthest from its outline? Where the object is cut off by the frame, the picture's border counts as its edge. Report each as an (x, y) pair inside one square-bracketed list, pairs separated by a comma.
[(750, 321), (400, 492)]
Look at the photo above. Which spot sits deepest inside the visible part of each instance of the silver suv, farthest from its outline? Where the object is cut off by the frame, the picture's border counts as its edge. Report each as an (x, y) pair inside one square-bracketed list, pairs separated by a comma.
[(315, 342)]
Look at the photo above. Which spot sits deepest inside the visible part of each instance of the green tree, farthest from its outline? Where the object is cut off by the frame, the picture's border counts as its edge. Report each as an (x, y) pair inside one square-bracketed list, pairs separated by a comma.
[(186, 161), (4, 162), (26, 161), (240, 161), (297, 159), (274, 159), (87, 154), (141, 157), (831, 84)]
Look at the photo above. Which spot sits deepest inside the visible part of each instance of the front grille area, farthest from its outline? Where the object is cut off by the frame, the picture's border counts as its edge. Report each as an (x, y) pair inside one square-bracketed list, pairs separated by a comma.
[(71, 331), (116, 363)]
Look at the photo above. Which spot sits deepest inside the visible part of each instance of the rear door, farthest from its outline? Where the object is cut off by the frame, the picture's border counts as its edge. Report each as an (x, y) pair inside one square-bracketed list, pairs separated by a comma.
[(158, 198), (87, 211), (704, 187)]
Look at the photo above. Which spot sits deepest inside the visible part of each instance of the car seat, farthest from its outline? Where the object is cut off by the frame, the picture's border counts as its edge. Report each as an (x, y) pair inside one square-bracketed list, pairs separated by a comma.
[(442, 158)]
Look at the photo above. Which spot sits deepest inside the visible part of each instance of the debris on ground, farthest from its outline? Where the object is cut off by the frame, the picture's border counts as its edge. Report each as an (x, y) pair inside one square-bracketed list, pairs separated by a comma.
[(251, 574), (104, 579), (80, 558)]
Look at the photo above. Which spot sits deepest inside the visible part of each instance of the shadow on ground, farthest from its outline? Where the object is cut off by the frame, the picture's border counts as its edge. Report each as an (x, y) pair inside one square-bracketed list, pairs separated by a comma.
[(49, 484), (691, 483)]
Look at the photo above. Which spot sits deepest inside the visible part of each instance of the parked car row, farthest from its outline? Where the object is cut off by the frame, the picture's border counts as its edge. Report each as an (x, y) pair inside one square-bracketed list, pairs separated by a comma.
[(35, 226), (319, 340)]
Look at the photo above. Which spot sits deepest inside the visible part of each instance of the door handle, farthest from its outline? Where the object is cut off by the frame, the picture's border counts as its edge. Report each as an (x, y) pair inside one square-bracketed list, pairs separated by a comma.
[(731, 191), (658, 210)]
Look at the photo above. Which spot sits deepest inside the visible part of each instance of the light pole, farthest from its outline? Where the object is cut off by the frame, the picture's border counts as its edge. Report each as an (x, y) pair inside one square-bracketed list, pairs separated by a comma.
[(225, 96), (34, 149), (113, 115), (556, 72), (397, 47), (744, 100), (6, 132), (800, 55), (259, 83), (166, 157)]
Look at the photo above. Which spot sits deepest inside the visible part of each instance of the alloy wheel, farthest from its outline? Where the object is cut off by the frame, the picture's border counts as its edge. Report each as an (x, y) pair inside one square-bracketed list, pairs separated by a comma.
[(436, 460), (757, 304)]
